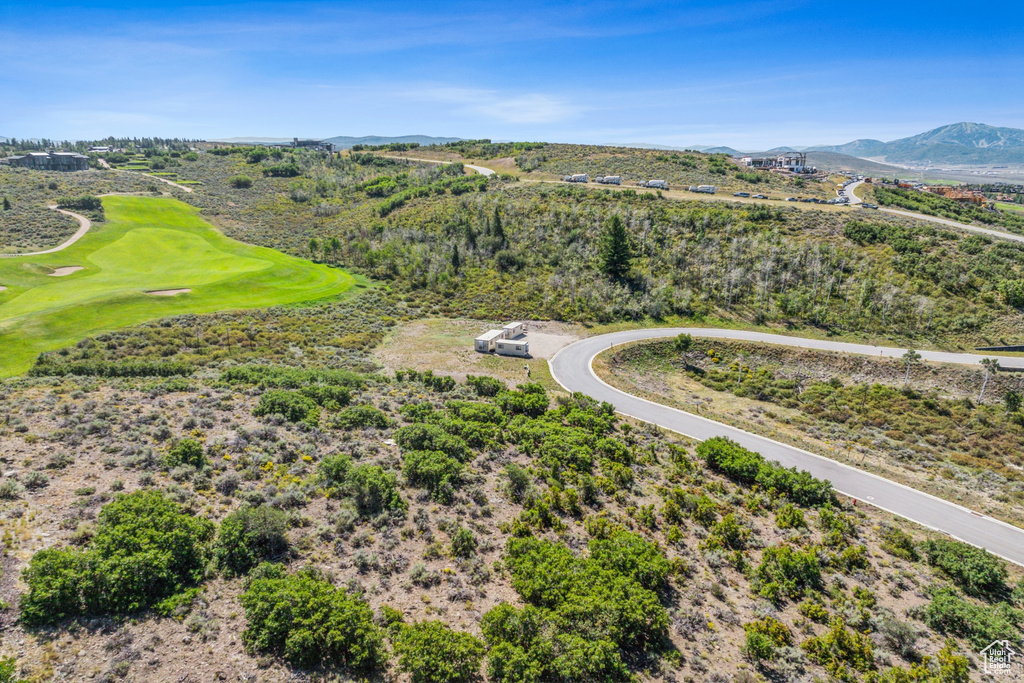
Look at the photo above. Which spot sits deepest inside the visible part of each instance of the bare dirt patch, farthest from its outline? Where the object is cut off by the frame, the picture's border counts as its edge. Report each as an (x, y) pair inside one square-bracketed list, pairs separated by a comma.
[(65, 270), (169, 292), (446, 347), (2, 288)]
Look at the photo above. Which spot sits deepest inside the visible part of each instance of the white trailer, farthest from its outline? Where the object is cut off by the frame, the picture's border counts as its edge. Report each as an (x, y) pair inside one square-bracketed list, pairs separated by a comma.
[(705, 189), (579, 178), (513, 330), (660, 184), (486, 341), (512, 347), (612, 180)]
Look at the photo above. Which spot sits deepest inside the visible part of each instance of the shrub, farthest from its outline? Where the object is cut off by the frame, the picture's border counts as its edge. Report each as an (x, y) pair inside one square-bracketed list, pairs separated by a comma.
[(975, 570), (841, 652), (790, 517), (8, 665), (333, 470), (187, 452), (374, 490), (249, 536), (429, 437), (360, 416), (485, 386), (240, 181), (431, 652), (294, 406), (763, 636), (631, 555), (434, 471), (145, 549), (784, 572), (747, 467), (463, 543), (530, 400), (307, 621), (949, 613), (529, 645), (275, 377), (899, 543)]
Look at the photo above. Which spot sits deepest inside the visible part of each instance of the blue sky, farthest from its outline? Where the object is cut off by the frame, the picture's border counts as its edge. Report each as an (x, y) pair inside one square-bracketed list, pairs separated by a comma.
[(746, 73)]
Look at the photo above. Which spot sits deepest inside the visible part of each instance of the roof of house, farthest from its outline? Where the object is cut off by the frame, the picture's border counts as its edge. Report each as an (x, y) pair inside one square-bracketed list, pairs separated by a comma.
[(490, 335), (513, 341)]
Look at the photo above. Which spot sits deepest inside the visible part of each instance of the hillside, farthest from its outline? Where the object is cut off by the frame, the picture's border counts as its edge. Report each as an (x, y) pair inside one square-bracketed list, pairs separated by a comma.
[(834, 161), (347, 142)]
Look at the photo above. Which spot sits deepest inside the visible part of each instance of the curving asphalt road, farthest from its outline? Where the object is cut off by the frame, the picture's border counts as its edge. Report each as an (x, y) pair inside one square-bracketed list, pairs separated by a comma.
[(572, 368)]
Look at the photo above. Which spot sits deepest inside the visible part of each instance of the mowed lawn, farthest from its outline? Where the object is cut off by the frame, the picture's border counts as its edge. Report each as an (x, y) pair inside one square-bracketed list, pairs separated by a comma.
[(146, 244)]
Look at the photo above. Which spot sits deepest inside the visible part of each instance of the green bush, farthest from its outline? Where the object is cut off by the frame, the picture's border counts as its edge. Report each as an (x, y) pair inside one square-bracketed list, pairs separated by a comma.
[(785, 572), (842, 652), (977, 571), (305, 620), (249, 536), (187, 452), (630, 554), (529, 644), (292, 405), (240, 181), (333, 470), (529, 399), (790, 517), (361, 416), (8, 666), (434, 471), (949, 613), (485, 386), (145, 549), (431, 652), (747, 467), (763, 636), (463, 543), (374, 490), (275, 377), (430, 437)]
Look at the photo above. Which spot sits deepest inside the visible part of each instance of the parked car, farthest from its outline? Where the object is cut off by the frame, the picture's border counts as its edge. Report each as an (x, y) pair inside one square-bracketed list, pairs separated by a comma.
[(790, 199), (870, 206), (760, 196), (740, 194)]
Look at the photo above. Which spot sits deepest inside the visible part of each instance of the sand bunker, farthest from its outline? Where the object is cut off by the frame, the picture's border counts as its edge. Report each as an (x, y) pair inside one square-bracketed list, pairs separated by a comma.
[(66, 270), (2, 288), (169, 292)]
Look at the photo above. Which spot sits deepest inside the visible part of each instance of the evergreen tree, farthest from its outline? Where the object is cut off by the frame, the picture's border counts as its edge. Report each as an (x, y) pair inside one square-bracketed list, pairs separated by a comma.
[(314, 246), (496, 229), (615, 253), (7, 204), (456, 259)]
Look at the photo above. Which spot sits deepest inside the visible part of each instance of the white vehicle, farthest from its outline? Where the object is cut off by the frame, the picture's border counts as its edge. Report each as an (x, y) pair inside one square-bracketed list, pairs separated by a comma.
[(705, 189), (579, 178), (611, 180), (660, 184)]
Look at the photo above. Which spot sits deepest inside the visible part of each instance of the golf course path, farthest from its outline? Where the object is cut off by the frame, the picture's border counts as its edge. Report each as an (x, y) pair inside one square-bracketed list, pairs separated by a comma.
[(169, 182), (572, 367), (84, 224), (479, 169)]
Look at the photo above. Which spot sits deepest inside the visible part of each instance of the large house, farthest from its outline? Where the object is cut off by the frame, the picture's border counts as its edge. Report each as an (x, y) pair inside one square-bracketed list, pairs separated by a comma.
[(794, 162), (49, 161)]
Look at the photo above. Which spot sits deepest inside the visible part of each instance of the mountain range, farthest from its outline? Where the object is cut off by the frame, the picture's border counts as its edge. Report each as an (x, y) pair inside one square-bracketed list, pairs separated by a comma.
[(958, 143)]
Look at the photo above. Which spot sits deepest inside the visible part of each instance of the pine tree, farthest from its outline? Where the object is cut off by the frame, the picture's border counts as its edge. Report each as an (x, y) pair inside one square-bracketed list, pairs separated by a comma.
[(496, 229), (456, 259), (7, 204), (314, 246), (615, 252)]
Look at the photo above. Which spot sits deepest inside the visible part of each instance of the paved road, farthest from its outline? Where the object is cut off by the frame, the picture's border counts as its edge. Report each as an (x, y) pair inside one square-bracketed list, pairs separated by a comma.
[(84, 224), (571, 367), (849, 193)]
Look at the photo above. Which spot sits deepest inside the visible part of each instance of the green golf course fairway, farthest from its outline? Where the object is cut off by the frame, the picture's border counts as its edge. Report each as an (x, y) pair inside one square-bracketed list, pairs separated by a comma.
[(146, 244)]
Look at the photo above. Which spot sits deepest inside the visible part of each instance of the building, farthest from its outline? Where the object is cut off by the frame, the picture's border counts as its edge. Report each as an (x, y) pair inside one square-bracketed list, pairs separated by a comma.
[(957, 194), (793, 162), (315, 145), (513, 330), (512, 347), (50, 161), (101, 149), (485, 342), (508, 341)]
